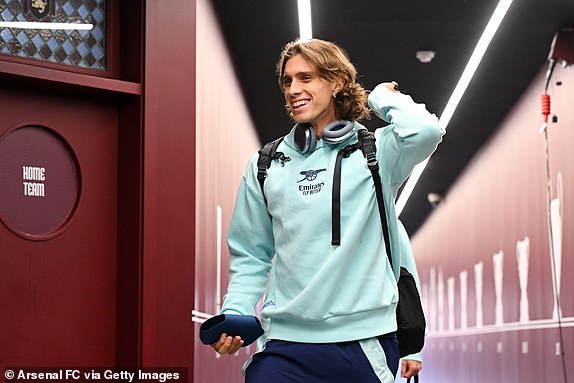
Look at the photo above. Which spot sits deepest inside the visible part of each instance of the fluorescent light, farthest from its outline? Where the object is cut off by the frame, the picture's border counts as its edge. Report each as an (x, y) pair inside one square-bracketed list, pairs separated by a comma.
[(40, 25), (456, 96), (475, 59), (305, 30), (410, 186)]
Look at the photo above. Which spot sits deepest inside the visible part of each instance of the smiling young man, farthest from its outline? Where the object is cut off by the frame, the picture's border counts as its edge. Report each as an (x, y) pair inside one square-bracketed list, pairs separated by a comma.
[(308, 96), (329, 291)]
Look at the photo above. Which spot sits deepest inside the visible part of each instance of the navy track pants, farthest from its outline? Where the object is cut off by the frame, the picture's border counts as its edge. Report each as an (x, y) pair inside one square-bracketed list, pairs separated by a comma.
[(349, 362)]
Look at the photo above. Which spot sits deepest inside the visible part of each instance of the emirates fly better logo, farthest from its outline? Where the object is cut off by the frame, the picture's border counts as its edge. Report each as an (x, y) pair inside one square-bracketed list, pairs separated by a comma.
[(312, 187)]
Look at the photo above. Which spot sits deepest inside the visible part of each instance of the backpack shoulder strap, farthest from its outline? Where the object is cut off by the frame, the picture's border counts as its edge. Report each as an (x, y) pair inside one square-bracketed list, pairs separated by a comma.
[(370, 152), (369, 148), (366, 142), (267, 154), (336, 192)]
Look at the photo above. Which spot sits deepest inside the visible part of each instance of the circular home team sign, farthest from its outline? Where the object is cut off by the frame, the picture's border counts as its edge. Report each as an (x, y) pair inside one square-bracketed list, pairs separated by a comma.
[(39, 182)]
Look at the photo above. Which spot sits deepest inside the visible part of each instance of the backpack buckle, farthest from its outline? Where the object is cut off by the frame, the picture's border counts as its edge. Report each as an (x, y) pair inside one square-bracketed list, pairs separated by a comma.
[(372, 160)]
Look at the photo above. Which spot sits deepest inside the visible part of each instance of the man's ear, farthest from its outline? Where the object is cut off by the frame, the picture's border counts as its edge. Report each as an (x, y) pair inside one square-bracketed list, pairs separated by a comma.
[(337, 87)]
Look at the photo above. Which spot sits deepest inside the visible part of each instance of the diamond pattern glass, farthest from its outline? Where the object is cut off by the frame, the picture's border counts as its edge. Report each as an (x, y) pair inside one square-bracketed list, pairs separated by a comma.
[(85, 49)]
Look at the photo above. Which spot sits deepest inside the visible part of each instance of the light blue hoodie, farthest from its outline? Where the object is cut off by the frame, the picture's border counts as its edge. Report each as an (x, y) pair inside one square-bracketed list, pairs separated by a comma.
[(317, 292)]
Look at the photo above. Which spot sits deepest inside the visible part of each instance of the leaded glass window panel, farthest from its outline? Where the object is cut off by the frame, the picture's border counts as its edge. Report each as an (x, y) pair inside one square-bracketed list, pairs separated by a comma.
[(79, 48)]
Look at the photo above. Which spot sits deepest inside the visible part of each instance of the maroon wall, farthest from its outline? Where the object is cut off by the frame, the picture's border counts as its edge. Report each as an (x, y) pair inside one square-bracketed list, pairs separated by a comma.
[(499, 206), (169, 184), (115, 286), (67, 295), (225, 140)]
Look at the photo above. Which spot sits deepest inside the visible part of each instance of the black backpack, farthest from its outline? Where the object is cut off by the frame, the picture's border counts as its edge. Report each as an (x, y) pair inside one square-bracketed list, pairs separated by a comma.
[(410, 316)]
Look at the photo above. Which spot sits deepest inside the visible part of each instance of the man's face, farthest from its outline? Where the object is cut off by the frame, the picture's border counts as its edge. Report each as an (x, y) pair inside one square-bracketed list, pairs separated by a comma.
[(309, 97)]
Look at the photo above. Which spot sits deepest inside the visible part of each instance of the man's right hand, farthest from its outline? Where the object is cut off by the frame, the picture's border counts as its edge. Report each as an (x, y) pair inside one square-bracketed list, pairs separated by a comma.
[(227, 344)]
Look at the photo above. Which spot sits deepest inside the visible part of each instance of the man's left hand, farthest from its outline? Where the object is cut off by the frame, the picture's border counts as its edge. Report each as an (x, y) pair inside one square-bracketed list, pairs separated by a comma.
[(410, 368)]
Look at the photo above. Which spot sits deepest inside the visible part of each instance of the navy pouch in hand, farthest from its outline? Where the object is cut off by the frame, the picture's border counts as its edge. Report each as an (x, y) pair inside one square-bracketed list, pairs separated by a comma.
[(247, 327)]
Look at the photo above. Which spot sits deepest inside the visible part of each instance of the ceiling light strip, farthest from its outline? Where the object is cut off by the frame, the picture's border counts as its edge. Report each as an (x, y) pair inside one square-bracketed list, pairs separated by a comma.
[(304, 9), (42, 25), (471, 67)]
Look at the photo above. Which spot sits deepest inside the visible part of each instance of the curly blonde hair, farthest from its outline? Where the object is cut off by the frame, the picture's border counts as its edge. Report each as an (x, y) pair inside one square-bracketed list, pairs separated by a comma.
[(331, 63)]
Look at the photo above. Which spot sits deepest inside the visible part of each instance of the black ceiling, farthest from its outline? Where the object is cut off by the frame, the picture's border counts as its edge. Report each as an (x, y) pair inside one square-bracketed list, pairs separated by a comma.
[(382, 37)]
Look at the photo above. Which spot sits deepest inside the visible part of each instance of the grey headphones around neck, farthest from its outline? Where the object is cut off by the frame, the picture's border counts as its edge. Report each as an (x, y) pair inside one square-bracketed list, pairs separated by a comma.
[(334, 133)]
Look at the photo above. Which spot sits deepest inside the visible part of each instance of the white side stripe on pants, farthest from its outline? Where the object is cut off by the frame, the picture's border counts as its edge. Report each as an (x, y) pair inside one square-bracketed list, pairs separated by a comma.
[(376, 356)]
